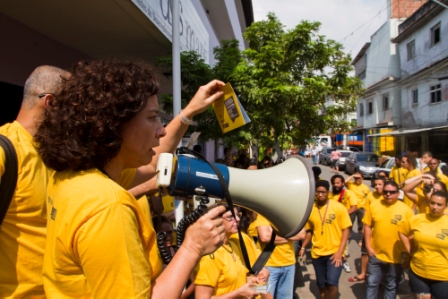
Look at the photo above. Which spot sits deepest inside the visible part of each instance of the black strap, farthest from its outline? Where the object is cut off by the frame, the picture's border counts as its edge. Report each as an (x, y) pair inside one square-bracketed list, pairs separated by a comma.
[(267, 251), (8, 181)]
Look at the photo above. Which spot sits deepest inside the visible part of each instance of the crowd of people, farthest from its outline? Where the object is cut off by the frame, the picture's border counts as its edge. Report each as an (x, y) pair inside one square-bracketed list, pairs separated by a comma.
[(80, 225)]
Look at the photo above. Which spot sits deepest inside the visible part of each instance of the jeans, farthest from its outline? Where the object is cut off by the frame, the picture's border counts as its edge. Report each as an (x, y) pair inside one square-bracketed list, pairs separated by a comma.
[(326, 272), (281, 281), (314, 159), (375, 271)]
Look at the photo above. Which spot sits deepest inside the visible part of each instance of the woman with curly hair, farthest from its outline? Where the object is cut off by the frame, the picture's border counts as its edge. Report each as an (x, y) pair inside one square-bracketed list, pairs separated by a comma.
[(102, 136)]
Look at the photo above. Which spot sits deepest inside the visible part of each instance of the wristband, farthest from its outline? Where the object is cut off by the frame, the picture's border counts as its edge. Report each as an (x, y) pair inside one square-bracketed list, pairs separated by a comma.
[(302, 248), (185, 120)]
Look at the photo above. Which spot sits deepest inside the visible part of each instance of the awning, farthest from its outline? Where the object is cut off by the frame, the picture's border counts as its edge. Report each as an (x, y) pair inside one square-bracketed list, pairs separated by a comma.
[(404, 131)]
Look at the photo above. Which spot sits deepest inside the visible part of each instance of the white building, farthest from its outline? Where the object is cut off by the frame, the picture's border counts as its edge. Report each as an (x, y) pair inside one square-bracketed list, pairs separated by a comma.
[(378, 66), (61, 33), (423, 49)]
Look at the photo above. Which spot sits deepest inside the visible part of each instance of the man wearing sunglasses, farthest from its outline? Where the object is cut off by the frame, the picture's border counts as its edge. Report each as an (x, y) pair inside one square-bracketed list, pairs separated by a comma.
[(382, 242)]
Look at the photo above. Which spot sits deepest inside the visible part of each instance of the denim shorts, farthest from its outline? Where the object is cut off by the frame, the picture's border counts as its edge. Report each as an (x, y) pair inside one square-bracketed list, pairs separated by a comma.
[(421, 285), (326, 272)]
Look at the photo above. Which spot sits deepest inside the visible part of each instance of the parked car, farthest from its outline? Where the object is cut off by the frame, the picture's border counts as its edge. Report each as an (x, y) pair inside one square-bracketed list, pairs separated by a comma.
[(324, 155), (341, 162), (364, 162)]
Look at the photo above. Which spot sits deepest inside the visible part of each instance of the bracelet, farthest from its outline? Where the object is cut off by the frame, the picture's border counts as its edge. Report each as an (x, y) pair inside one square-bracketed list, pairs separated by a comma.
[(185, 120), (302, 248)]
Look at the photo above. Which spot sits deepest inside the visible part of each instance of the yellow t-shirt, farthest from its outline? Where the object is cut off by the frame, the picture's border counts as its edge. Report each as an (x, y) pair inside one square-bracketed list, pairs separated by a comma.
[(360, 191), (443, 178), (398, 174), (348, 200), (252, 230), (252, 250), (413, 173), (283, 254), (430, 259), (221, 270), (99, 240), (327, 226), (23, 231), (371, 197), (384, 220)]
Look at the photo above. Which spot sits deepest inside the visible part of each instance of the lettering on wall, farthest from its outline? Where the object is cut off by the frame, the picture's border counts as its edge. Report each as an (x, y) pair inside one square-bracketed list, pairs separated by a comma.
[(193, 34)]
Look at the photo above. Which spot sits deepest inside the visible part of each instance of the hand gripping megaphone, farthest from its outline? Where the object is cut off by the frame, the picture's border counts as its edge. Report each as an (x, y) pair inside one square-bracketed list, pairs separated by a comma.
[(283, 194)]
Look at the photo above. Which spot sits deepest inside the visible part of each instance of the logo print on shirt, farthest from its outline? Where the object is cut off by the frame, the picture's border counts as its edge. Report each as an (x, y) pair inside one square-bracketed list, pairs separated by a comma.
[(445, 232), (330, 219), (440, 236), (53, 213)]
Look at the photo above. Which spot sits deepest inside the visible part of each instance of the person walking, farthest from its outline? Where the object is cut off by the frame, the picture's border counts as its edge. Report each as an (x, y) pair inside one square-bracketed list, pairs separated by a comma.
[(328, 228), (382, 242), (425, 237), (335, 155)]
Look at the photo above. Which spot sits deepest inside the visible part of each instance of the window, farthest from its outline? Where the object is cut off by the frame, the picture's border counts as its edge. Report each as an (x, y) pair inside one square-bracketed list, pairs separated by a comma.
[(436, 93), (411, 50), (370, 107), (386, 102), (414, 96), (361, 110), (435, 34)]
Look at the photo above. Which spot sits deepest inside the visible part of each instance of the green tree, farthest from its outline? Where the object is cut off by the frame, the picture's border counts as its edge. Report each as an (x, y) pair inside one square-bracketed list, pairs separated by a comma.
[(286, 78), (196, 72)]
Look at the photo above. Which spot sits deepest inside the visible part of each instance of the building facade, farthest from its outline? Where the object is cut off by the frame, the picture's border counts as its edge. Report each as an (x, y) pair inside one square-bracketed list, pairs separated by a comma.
[(423, 50), (61, 33), (378, 66)]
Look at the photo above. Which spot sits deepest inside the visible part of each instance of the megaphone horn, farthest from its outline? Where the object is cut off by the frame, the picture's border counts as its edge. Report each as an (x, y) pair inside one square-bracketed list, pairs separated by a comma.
[(284, 194)]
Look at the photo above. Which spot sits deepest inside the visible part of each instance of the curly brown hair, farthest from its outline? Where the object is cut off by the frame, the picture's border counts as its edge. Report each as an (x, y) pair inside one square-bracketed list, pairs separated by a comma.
[(82, 125)]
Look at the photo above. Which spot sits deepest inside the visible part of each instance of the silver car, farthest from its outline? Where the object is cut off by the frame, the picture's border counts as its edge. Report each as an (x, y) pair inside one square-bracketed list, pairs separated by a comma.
[(364, 162)]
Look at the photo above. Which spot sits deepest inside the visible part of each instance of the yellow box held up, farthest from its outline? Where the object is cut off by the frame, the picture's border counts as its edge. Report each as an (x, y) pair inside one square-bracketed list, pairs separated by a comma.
[(228, 110)]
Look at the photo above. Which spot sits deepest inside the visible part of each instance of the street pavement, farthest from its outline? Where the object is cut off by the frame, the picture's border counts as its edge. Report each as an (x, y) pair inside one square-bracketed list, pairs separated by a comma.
[(305, 279)]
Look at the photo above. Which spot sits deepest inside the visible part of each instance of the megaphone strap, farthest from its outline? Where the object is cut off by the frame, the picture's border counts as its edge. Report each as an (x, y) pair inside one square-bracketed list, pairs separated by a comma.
[(264, 256)]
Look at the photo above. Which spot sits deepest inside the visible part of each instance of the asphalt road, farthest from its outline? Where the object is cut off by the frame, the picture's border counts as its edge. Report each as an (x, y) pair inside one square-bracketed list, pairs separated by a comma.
[(305, 279)]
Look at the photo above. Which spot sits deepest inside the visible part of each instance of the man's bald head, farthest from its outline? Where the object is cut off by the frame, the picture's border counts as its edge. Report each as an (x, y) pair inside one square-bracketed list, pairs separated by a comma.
[(43, 80)]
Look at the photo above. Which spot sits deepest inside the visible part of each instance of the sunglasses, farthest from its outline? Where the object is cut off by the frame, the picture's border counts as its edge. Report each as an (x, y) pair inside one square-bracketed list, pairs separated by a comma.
[(390, 191)]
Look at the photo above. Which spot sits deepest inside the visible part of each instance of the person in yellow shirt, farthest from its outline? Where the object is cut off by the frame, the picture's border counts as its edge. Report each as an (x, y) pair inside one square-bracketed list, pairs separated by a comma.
[(105, 121), (281, 264), (361, 191), (425, 237), (433, 166), (408, 161), (24, 228), (349, 200), (420, 196), (373, 196), (328, 228), (424, 162), (382, 242), (222, 274), (398, 173)]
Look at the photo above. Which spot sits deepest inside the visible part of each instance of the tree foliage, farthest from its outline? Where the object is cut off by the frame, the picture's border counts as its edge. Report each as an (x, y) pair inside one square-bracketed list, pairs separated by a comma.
[(286, 78), (283, 80)]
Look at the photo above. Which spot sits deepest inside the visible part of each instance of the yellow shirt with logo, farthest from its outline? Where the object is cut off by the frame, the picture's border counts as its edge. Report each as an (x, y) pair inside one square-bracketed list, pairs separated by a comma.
[(398, 174), (23, 231), (348, 200), (430, 258), (413, 173), (221, 270), (327, 226), (361, 191), (283, 254), (99, 240), (384, 220)]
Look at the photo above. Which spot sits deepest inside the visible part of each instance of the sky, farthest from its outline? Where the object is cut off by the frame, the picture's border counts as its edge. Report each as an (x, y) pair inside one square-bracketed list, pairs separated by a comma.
[(350, 22)]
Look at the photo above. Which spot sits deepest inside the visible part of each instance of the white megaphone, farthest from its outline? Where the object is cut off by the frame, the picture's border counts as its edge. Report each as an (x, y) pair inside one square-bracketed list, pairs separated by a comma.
[(283, 194)]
